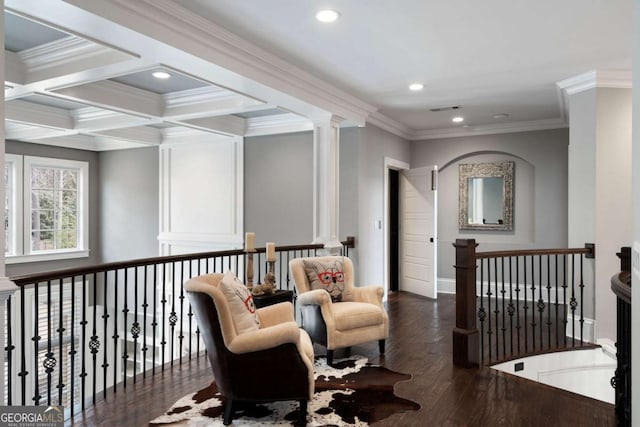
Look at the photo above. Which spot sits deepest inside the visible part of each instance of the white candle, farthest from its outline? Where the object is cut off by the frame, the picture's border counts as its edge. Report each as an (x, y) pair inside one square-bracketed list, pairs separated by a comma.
[(249, 241), (271, 251)]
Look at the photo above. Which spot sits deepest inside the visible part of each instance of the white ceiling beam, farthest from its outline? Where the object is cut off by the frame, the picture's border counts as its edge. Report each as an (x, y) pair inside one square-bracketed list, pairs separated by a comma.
[(66, 56), (142, 135), (14, 69), (206, 102), (227, 124), (27, 132), (36, 114), (116, 96), (281, 123)]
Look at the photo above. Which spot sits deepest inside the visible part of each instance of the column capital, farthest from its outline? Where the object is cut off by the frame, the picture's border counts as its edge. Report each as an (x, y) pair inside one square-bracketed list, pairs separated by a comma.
[(327, 119)]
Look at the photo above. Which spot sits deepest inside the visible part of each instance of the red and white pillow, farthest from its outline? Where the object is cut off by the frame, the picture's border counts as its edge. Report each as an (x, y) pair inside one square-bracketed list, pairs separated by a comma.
[(243, 310)]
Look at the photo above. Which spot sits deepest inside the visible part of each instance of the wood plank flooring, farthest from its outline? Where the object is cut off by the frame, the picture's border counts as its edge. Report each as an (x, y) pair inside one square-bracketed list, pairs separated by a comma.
[(420, 344)]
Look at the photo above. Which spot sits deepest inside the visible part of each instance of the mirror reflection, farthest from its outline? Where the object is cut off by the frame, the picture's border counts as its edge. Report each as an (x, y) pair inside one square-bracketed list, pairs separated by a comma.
[(486, 199)]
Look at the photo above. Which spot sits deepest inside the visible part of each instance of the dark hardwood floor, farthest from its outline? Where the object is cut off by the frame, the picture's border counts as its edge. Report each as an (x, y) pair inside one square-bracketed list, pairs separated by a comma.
[(420, 344)]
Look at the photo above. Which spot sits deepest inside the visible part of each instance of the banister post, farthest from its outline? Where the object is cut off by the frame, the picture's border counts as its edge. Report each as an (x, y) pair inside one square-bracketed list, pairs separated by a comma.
[(466, 350)]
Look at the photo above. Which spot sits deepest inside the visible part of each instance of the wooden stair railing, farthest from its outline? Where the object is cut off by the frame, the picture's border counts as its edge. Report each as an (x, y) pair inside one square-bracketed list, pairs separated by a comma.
[(511, 304), (621, 287)]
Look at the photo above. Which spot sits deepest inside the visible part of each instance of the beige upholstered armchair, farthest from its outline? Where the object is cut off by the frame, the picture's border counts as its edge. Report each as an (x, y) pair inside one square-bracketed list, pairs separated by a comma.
[(261, 355), (334, 312)]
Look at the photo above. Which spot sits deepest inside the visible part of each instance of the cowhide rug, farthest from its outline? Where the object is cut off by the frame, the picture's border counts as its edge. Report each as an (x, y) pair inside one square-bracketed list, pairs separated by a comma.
[(350, 393)]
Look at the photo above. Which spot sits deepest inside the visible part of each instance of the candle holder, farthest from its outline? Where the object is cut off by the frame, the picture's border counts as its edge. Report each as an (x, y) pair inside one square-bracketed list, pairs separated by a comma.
[(249, 274)]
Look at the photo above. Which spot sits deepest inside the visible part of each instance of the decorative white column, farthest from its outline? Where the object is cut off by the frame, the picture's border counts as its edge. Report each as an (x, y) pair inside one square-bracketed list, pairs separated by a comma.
[(326, 181), (7, 287)]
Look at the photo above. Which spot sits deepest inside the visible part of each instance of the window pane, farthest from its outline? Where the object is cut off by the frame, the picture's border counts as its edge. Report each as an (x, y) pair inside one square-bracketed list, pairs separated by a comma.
[(54, 204)]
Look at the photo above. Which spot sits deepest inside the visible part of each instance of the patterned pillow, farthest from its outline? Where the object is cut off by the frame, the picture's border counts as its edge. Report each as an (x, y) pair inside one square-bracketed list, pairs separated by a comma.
[(243, 311), (328, 276)]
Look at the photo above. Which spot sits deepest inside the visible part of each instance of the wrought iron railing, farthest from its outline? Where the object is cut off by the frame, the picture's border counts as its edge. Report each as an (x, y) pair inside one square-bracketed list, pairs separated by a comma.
[(621, 286), (74, 336), (511, 304)]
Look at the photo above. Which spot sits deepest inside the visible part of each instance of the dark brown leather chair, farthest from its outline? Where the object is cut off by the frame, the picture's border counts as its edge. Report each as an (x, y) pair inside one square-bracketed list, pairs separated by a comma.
[(272, 363)]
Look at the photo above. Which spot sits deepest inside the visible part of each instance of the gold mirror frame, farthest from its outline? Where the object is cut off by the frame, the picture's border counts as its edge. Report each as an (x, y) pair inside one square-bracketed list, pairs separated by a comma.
[(486, 170)]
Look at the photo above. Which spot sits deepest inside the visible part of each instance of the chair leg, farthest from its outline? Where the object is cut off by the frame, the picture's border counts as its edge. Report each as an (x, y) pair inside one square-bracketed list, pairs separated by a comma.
[(303, 413), (228, 413), (381, 346), (329, 357)]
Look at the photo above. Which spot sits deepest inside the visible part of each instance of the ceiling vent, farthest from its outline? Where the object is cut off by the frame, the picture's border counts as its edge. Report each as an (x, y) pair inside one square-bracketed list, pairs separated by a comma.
[(455, 107)]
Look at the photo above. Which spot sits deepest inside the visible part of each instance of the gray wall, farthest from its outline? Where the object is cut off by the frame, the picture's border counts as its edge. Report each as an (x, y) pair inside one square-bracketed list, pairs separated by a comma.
[(373, 146), (348, 222), (278, 188), (635, 290), (540, 189), (129, 203), (29, 149)]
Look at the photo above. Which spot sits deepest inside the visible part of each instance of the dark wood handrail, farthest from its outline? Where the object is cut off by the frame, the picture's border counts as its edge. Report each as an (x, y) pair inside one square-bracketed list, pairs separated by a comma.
[(528, 252), (141, 262), (621, 286)]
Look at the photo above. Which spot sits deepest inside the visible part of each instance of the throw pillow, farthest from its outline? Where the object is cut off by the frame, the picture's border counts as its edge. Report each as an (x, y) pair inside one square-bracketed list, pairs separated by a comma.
[(328, 276), (243, 310)]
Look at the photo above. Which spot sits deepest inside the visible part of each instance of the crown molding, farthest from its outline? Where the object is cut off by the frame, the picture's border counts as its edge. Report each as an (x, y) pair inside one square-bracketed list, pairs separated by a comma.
[(390, 125), (80, 142), (616, 79), (512, 127), (207, 102), (140, 135), (182, 135)]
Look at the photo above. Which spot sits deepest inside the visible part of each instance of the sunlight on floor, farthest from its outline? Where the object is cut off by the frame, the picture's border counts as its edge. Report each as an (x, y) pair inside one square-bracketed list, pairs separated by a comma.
[(586, 372)]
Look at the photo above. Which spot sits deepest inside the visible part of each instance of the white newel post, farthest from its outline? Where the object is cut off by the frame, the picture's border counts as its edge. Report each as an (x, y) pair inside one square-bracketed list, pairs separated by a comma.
[(326, 151)]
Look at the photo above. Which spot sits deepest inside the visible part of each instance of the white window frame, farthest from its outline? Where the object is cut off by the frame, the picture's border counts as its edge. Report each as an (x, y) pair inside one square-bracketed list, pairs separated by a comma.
[(14, 200), (23, 251)]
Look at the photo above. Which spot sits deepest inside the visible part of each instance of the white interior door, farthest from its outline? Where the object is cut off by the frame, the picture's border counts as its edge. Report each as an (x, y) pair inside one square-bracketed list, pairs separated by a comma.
[(418, 231)]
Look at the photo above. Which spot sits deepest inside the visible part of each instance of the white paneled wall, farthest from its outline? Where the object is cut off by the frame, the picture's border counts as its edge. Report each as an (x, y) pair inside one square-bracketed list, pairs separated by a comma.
[(201, 194)]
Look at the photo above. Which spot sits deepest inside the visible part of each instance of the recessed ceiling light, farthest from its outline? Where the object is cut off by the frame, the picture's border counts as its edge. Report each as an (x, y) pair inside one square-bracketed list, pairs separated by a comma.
[(500, 116), (457, 119), (327, 15), (161, 75), (416, 86)]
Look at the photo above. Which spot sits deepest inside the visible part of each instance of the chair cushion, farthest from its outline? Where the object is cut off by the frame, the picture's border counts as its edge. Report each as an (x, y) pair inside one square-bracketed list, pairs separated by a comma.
[(241, 306), (351, 315), (328, 276)]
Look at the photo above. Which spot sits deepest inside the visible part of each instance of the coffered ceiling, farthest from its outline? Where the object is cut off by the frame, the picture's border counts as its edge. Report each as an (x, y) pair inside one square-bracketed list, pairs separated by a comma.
[(78, 73)]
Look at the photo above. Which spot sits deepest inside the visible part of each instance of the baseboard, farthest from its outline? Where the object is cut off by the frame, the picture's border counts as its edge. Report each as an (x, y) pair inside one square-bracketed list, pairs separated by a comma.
[(588, 333), (446, 286)]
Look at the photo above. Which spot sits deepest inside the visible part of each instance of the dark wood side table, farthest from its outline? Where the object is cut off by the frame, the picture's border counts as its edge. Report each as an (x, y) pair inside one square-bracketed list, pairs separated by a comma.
[(274, 298)]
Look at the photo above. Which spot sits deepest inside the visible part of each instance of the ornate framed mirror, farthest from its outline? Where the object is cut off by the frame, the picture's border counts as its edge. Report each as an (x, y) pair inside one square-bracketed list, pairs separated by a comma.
[(486, 196)]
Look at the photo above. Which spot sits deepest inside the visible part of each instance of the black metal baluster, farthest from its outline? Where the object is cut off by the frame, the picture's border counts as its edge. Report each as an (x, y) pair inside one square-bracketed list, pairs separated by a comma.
[(526, 306), (60, 330), (36, 343), (173, 318), (154, 322), (181, 336), (581, 300), (518, 326), (564, 298), (541, 304), (72, 352), (23, 356), (145, 305), (49, 362), (533, 303), (504, 320), (548, 301), (9, 352), (190, 316), (135, 328), (573, 302), (105, 316), (94, 342), (511, 308), (489, 328), (481, 312), (83, 345), (163, 342), (497, 309), (557, 320), (125, 341), (115, 335)]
